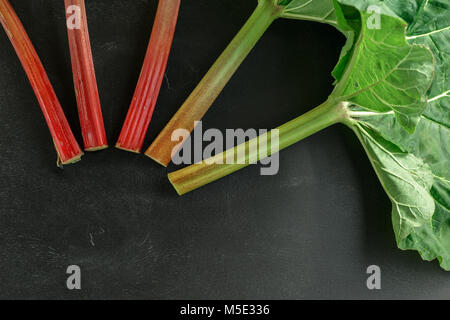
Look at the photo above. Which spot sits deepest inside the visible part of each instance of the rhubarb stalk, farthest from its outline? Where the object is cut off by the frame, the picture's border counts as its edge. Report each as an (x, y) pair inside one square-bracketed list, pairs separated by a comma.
[(65, 143), (214, 81), (89, 109), (144, 100), (200, 174)]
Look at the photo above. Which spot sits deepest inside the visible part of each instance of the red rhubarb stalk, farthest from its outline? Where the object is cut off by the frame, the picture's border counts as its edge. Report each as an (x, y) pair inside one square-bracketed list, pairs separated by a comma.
[(86, 90), (65, 143), (152, 74)]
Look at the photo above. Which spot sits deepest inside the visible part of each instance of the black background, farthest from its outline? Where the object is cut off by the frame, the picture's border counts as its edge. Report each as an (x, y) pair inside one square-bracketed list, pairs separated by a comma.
[(309, 232)]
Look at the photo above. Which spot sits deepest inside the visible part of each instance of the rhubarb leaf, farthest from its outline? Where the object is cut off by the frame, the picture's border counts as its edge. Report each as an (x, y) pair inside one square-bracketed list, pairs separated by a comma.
[(418, 188), (405, 178), (313, 10), (384, 73), (427, 25), (429, 142)]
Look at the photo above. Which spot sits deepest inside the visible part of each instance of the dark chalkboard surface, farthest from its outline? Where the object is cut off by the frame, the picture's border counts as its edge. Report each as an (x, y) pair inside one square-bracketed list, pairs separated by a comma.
[(309, 232)]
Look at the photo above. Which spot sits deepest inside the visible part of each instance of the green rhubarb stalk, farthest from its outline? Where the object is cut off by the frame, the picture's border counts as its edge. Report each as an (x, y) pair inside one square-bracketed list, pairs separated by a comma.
[(223, 69), (214, 81), (219, 166)]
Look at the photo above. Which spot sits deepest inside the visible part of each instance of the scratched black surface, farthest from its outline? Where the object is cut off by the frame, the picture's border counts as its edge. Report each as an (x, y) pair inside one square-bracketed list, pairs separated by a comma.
[(308, 232)]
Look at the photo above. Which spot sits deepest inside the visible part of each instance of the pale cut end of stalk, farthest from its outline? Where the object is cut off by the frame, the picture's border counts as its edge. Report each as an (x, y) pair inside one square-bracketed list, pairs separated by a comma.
[(96, 148), (60, 163), (70, 161), (172, 177), (137, 151), (200, 174), (155, 157)]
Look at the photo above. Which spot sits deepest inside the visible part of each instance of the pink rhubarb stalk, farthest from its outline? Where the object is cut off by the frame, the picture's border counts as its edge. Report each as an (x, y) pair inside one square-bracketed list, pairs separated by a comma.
[(65, 143), (152, 74), (86, 90)]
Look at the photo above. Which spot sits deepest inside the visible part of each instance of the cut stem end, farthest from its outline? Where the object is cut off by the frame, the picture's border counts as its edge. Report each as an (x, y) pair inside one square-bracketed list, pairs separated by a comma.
[(136, 151), (155, 158), (96, 148)]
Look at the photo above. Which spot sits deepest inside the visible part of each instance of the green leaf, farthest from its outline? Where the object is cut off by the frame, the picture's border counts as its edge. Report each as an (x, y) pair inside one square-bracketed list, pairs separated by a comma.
[(429, 143), (384, 73), (313, 10), (432, 240), (431, 140), (429, 25), (405, 178)]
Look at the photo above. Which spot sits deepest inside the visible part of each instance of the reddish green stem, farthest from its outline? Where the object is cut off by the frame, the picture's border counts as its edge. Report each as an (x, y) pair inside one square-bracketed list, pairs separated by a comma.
[(200, 174), (214, 81)]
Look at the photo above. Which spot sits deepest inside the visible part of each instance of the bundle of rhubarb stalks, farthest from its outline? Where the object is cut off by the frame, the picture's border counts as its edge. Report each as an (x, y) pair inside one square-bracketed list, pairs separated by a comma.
[(391, 89)]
